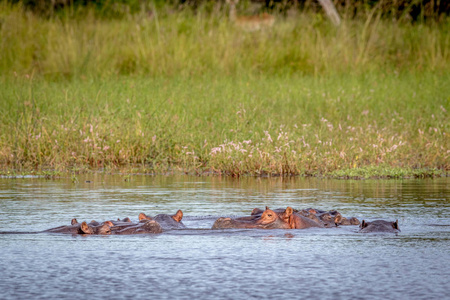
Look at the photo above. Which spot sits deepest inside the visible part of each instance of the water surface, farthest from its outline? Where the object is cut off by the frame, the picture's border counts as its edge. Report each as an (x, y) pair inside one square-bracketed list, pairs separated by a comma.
[(231, 264)]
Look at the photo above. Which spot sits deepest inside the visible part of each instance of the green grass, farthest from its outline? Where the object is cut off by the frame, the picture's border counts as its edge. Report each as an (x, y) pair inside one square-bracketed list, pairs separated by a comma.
[(185, 92), (235, 126), (183, 43)]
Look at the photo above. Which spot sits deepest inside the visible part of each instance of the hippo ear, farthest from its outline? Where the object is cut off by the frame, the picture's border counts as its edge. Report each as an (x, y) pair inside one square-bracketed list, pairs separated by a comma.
[(289, 211), (338, 219), (395, 225), (74, 221), (178, 216), (143, 216), (85, 228), (363, 224), (267, 208)]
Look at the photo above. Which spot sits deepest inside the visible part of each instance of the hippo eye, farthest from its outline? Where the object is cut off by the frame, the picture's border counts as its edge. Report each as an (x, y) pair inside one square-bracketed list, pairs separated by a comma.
[(269, 215)]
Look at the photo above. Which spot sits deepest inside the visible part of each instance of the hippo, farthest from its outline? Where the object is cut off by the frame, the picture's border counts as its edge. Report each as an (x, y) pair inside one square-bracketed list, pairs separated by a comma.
[(379, 226), (114, 225), (349, 221), (293, 217), (167, 222), (144, 226), (227, 223), (269, 219), (330, 218), (297, 221), (83, 228), (327, 218), (307, 214)]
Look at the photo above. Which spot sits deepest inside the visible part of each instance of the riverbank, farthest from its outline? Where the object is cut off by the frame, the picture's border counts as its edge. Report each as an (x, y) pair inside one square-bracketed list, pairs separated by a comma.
[(181, 92), (395, 124)]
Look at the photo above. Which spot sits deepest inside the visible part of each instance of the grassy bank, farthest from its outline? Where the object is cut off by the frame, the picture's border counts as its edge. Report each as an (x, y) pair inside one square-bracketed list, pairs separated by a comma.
[(290, 125), (177, 91)]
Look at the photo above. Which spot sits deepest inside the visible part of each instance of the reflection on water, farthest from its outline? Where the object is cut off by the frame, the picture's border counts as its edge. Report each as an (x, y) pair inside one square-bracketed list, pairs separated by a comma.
[(201, 263)]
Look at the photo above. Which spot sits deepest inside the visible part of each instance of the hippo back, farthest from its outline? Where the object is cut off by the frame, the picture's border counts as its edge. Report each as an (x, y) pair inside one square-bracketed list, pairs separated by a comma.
[(167, 222), (379, 226)]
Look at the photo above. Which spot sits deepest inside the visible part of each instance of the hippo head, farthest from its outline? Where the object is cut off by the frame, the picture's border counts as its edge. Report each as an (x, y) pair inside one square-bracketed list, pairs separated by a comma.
[(394, 225), (222, 223), (379, 226), (94, 223), (74, 221), (267, 217), (151, 226), (103, 229), (330, 219), (312, 211), (354, 221)]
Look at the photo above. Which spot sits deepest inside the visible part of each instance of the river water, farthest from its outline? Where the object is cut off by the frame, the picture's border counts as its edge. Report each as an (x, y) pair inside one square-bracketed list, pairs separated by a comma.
[(201, 263)]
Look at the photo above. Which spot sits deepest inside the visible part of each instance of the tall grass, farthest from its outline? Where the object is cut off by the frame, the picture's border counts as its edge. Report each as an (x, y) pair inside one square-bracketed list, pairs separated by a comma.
[(182, 91), (166, 43), (264, 125)]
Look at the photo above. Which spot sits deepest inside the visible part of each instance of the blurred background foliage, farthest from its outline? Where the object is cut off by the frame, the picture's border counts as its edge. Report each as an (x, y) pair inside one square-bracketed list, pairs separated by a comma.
[(414, 10)]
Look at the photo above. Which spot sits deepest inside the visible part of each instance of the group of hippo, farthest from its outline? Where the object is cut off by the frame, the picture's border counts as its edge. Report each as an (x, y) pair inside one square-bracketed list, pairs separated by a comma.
[(259, 219)]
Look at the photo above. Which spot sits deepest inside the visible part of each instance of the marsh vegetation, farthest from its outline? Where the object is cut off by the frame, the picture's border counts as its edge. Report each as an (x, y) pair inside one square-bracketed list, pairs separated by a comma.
[(169, 89)]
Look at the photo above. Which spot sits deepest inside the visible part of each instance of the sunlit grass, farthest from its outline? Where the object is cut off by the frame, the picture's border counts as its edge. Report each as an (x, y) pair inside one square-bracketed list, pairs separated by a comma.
[(262, 126)]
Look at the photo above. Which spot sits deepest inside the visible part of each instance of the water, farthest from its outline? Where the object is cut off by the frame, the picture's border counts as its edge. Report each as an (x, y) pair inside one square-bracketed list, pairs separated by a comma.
[(201, 263)]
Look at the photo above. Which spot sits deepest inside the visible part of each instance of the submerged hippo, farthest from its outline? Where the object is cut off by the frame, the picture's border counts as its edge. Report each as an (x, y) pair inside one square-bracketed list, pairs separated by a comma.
[(294, 218), (349, 221), (83, 228), (268, 219), (379, 226), (166, 221), (297, 221), (330, 218), (144, 226)]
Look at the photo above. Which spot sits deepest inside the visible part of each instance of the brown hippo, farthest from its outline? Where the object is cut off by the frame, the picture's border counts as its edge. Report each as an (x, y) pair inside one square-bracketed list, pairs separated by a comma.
[(126, 222), (83, 228), (166, 221), (330, 218), (297, 221), (327, 218), (349, 221), (306, 213), (269, 219), (379, 226), (144, 226), (294, 218)]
